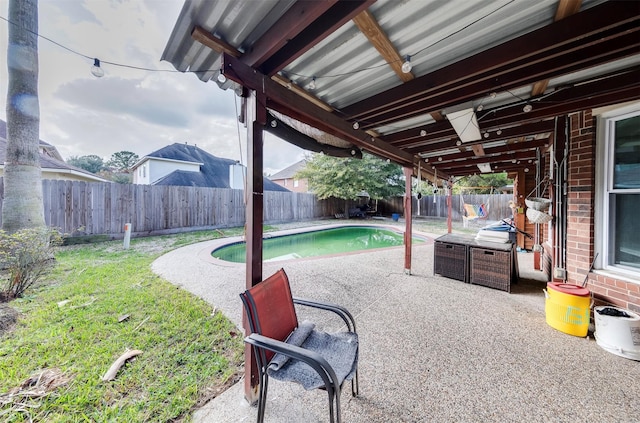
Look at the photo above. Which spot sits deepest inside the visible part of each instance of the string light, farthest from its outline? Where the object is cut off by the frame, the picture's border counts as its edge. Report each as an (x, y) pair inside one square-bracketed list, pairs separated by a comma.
[(527, 108), (407, 62), (312, 84), (221, 78), (96, 70), (356, 125), (407, 66)]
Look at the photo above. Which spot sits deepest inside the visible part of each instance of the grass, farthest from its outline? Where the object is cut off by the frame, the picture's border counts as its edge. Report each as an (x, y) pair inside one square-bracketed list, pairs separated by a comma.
[(71, 323)]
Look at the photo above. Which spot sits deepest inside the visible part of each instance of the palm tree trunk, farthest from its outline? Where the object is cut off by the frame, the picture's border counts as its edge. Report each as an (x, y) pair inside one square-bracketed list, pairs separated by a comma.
[(22, 206)]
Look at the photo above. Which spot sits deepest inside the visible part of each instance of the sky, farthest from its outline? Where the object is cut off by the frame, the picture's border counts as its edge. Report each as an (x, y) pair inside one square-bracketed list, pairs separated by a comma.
[(127, 109)]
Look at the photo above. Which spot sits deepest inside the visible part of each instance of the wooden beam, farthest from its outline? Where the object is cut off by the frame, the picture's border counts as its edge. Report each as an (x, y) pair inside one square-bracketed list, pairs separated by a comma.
[(294, 21), (205, 38), (368, 25), (340, 13), (477, 149), (507, 149), (290, 85), (513, 131), (292, 105), (216, 44), (565, 8), (599, 50), (256, 119), (573, 29), (408, 219)]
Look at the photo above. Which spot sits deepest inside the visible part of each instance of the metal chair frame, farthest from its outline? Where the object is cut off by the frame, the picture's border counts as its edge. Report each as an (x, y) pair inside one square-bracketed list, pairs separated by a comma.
[(262, 344)]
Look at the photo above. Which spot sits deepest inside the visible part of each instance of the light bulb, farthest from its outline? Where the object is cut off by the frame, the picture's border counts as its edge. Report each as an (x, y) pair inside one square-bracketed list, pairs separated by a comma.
[(274, 123), (458, 142), (486, 135), (221, 78), (96, 70), (312, 84), (499, 132), (353, 152), (423, 133), (479, 108), (356, 125), (407, 66), (527, 108)]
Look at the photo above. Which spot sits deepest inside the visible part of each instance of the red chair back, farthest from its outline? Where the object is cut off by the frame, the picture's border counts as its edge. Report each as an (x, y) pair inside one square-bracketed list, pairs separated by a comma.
[(270, 308)]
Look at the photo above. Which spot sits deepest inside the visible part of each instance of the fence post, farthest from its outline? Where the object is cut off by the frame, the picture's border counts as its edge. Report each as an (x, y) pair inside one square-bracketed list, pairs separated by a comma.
[(127, 235)]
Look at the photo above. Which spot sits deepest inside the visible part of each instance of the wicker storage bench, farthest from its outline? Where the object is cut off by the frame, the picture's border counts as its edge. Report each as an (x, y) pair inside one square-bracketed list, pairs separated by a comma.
[(451, 260), (492, 268), (462, 257)]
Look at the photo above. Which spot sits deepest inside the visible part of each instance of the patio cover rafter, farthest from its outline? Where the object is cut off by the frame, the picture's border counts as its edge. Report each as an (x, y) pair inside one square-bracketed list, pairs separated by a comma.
[(520, 52)]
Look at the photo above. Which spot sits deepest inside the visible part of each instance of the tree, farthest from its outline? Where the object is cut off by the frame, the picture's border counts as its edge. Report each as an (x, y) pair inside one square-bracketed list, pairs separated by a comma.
[(90, 163), (22, 207), (347, 177), (484, 183), (123, 161)]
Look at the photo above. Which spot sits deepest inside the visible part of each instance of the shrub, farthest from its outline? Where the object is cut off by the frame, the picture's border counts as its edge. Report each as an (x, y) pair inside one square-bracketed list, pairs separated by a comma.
[(25, 257)]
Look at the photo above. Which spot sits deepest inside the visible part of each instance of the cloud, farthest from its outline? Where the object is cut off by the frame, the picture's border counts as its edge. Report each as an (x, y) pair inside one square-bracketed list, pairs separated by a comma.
[(128, 109)]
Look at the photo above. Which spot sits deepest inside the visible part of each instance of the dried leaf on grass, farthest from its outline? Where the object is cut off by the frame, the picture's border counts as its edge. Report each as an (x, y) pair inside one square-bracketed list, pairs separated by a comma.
[(36, 386), (113, 370)]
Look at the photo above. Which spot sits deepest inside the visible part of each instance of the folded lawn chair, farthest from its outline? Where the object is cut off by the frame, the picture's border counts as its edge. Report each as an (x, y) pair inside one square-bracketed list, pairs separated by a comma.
[(288, 351), (473, 212)]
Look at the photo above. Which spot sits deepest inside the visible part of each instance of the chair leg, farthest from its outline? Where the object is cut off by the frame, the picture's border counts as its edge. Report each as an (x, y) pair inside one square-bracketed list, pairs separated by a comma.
[(262, 396), (355, 388)]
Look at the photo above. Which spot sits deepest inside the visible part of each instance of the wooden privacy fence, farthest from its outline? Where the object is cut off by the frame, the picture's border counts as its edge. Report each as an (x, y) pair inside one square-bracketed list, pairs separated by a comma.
[(96, 208), (497, 205)]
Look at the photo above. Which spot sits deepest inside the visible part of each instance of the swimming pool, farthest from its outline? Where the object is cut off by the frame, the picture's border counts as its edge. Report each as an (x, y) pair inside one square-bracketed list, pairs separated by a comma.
[(317, 243)]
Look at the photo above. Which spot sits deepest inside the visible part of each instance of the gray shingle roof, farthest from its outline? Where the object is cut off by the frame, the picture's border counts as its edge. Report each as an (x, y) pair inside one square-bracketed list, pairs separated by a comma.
[(214, 171), (289, 172), (46, 162)]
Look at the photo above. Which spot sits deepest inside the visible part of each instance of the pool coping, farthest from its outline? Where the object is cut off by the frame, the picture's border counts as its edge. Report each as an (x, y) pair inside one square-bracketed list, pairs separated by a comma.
[(205, 253)]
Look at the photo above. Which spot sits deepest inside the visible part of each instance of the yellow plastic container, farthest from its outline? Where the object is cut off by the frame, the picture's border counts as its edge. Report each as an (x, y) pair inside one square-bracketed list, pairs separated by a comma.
[(567, 308)]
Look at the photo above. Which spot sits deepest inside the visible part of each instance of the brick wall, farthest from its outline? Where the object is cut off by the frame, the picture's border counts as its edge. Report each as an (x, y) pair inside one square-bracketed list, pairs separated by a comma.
[(607, 289), (580, 197)]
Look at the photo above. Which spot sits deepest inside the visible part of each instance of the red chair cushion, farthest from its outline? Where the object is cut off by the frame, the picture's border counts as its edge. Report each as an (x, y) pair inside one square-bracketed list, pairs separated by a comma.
[(275, 315)]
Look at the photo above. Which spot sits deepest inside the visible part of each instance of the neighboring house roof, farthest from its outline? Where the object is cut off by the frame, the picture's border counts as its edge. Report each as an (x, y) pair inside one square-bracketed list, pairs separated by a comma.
[(214, 171), (45, 147), (51, 164), (289, 172)]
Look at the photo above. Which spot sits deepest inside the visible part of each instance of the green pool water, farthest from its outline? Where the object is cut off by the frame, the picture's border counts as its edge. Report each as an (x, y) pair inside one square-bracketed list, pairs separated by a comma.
[(316, 243)]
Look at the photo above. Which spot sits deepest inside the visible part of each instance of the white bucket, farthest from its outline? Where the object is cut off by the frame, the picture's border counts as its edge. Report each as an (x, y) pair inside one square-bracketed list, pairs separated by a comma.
[(618, 335)]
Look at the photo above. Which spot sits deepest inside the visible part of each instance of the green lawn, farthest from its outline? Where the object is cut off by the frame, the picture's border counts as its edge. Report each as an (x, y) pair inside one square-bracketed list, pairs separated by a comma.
[(71, 324)]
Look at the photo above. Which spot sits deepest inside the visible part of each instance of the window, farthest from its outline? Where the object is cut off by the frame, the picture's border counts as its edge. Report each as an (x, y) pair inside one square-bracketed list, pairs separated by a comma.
[(296, 183), (621, 193)]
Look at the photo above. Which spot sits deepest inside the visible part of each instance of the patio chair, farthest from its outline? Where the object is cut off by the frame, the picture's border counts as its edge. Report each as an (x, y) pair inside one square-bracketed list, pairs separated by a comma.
[(288, 351)]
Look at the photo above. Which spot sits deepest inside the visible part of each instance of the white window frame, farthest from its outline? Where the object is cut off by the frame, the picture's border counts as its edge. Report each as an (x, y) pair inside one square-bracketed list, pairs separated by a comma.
[(604, 186)]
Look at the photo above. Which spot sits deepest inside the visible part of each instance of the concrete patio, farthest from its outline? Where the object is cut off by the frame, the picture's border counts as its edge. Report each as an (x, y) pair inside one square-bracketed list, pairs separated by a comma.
[(432, 349)]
